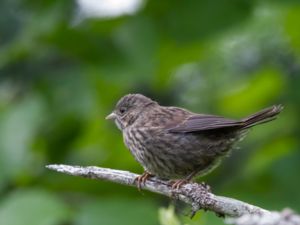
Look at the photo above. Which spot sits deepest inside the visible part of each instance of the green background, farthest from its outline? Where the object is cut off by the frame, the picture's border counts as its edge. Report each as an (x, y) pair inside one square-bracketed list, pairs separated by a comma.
[(59, 79)]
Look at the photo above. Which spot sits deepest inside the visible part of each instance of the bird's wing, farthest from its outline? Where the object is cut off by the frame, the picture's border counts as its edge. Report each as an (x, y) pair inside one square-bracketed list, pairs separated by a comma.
[(204, 122)]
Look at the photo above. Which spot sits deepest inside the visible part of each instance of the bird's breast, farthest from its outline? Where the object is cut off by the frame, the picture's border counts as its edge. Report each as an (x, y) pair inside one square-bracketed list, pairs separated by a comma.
[(135, 140)]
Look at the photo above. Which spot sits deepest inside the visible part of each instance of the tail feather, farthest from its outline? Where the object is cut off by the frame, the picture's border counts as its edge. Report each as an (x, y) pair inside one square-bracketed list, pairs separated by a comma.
[(262, 116)]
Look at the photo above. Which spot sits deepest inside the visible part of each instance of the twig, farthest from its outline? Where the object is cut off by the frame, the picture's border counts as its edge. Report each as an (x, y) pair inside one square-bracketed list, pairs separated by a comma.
[(197, 195)]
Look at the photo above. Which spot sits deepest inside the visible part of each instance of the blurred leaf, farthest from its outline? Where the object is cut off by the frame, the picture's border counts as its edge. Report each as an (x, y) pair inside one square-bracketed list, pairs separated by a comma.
[(18, 126), (265, 86), (34, 207), (131, 38), (292, 28), (115, 211), (188, 21), (167, 216), (172, 55), (268, 154)]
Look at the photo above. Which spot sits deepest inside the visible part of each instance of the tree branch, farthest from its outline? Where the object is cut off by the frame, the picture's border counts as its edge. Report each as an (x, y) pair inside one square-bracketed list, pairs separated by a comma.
[(197, 195)]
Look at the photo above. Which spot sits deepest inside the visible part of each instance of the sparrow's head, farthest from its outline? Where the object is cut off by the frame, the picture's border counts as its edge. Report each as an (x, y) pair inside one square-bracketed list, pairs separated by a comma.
[(128, 109)]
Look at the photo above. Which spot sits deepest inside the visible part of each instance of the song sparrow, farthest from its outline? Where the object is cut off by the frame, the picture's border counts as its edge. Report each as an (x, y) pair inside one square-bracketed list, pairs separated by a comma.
[(174, 143)]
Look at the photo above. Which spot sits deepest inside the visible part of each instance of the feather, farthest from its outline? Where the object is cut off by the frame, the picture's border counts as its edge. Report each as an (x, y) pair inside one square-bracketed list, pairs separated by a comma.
[(202, 122)]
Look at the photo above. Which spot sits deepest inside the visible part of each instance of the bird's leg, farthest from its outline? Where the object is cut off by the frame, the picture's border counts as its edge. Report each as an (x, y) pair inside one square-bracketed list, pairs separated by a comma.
[(176, 184), (140, 180)]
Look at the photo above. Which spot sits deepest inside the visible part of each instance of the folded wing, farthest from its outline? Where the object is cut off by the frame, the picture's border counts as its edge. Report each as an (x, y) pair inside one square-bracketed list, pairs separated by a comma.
[(202, 122), (205, 122)]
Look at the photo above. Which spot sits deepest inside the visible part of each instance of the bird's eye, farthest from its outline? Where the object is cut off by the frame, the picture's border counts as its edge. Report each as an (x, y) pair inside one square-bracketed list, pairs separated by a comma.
[(122, 110)]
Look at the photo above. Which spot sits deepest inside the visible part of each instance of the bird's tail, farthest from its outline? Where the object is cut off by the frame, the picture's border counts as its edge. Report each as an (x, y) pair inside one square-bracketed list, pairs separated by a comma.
[(262, 116)]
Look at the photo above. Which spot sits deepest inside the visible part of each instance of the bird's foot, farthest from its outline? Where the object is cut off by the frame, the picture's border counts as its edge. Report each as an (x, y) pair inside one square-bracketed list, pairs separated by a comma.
[(175, 187), (141, 180), (177, 184)]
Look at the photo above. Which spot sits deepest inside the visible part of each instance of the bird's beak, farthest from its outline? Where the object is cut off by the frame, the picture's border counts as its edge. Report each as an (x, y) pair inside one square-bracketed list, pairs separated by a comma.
[(111, 116)]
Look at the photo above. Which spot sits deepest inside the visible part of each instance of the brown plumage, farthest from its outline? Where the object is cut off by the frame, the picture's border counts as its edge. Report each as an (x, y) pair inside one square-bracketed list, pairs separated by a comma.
[(174, 143)]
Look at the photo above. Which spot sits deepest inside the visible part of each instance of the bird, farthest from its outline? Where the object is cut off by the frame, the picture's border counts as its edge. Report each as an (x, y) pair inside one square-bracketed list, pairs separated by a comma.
[(176, 144)]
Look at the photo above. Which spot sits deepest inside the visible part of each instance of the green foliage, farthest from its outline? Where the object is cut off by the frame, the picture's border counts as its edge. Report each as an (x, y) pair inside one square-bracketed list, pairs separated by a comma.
[(124, 209), (167, 216), (36, 207), (60, 76)]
